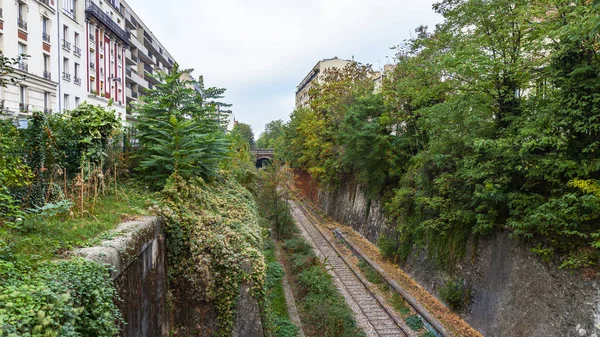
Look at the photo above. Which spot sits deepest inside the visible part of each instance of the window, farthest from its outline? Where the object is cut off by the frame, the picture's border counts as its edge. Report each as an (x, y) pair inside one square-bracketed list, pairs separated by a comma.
[(21, 15), (76, 40), (22, 96), (76, 73), (70, 8), (22, 49), (47, 67), (66, 102), (47, 102), (66, 74), (45, 29), (77, 100)]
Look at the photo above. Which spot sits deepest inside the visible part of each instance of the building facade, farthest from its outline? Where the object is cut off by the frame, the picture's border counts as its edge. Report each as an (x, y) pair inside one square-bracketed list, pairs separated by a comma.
[(316, 73), (97, 51), (145, 57), (26, 28)]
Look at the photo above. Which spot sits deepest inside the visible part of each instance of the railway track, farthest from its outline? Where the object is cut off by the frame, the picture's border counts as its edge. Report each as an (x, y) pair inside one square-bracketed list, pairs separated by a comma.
[(373, 315)]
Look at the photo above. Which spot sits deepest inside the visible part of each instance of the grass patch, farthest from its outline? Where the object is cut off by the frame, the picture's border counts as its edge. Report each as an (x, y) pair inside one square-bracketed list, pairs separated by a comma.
[(323, 310), (371, 274), (49, 238), (400, 304), (278, 323)]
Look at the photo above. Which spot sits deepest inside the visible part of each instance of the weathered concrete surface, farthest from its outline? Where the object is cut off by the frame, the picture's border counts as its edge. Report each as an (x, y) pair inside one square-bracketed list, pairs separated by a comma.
[(247, 321), (514, 293), (137, 255)]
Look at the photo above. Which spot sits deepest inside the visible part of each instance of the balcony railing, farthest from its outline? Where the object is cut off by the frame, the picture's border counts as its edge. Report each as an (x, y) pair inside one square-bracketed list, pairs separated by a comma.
[(92, 66), (22, 23), (47, 111), (66, 76), (46, 37), (77, 80), (92, 39), (23, 66), (47, 75), (23, 107), (66, 45), (91, 9), (77, 51), (46, 2)]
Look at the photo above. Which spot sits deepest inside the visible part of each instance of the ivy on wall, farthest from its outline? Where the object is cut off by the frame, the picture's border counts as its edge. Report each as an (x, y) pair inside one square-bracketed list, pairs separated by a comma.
[(212, 229)]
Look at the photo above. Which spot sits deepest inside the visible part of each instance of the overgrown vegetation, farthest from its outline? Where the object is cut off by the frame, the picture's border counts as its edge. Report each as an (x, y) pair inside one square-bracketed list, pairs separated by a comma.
[(277, 322), (66, 298), (61, 186), (489, 122), (323, 310), (209, 240), (456, 294)]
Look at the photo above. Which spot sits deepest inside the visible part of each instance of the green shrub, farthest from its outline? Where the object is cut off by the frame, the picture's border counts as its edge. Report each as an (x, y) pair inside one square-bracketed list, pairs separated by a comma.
[(414, 322), (284, 327), (388, 247), (371, 274), (66, 298), (455, 294), (317, 282), (400, 304), (274, 274), (428, 334)]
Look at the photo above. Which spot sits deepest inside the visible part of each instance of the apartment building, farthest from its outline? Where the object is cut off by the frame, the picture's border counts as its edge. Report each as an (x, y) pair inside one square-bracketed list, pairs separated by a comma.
[(26, 28), (313, 76), (72, 54), (97, 51), (145, 57), (107, 42)]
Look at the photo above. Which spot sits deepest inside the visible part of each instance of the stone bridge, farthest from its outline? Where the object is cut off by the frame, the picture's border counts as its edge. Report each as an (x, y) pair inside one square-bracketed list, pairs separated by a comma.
[(263, 157)]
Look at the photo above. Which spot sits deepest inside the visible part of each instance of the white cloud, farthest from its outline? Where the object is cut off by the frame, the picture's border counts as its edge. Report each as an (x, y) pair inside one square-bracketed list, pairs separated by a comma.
[(260, 49)]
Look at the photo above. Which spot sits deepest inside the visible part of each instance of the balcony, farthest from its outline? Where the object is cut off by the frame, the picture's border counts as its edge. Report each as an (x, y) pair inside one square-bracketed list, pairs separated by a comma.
[(133, 77), (22, 23), (66, 45), (46, 37), (92, 10), (47, 75), (148, 69), (47, 111), (76, 51), (92, 66), (23, 66), (23, 107), (77, 80), (66, 76)]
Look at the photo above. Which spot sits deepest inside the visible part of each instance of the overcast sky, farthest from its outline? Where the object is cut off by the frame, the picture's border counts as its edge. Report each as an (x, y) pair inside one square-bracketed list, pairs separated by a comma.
[(261, 49)]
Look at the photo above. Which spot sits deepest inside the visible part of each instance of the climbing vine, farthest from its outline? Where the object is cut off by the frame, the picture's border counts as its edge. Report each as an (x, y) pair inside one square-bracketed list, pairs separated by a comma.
[(212, 232)]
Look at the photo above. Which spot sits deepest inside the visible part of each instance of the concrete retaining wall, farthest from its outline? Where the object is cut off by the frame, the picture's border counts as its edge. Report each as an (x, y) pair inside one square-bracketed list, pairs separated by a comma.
[(137, 255)]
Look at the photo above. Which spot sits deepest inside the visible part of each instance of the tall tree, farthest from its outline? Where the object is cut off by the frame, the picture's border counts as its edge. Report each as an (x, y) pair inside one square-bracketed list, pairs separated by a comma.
[(179, 131), (273, 130), (244, 131)]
